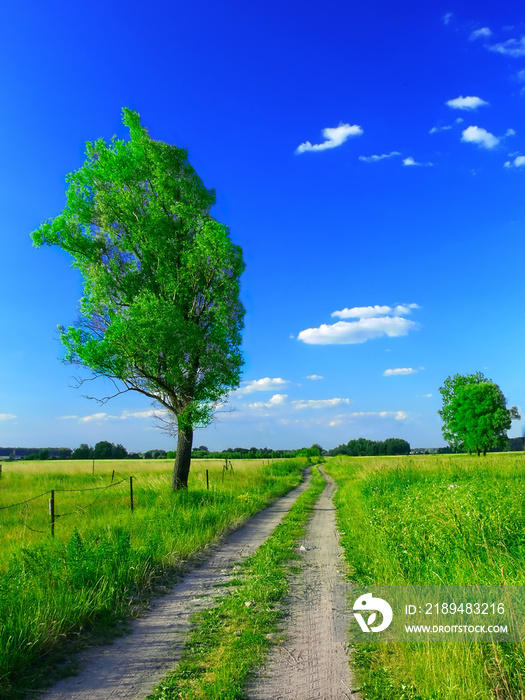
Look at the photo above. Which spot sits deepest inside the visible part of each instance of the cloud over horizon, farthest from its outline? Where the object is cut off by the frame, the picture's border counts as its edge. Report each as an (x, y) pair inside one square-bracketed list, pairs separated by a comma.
[(265, 384), (335, 136), (350, 417), (399, 371), (276, 400), (318, 403)]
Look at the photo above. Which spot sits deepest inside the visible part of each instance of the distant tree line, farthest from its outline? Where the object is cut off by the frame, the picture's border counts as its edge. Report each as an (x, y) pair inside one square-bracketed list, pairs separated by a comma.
[(202, 452), (102, 450), (107, 450), (372, 448)]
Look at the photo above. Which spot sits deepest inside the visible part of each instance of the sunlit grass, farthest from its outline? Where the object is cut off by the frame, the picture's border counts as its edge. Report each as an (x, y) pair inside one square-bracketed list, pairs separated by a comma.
[(103, 555), (431, 520)]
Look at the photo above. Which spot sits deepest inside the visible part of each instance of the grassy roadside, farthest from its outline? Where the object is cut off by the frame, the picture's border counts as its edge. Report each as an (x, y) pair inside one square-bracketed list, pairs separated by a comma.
[(428, 521), (233, 637), (75, 589)]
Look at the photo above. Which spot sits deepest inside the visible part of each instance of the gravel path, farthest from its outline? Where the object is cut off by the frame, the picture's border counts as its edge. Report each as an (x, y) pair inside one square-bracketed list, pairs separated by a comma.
[(135, 663), (312, 663)]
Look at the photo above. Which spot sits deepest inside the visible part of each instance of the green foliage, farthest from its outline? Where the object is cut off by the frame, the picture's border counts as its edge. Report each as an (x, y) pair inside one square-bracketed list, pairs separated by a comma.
[(474, 413), (372, 448), (160, 313), (448, 392), (83, 452)]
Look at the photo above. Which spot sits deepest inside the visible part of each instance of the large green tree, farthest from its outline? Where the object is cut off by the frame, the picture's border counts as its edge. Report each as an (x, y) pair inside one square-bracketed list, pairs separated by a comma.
[(475, 414), (160, 312), (448, 391)]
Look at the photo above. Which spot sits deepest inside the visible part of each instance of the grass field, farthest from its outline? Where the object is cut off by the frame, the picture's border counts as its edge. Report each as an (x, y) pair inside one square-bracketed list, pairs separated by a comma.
[(103, 556), (433, 520)]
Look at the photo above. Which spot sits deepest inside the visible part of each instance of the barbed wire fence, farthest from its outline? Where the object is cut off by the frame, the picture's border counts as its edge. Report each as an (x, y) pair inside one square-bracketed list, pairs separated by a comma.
[(226, 468)]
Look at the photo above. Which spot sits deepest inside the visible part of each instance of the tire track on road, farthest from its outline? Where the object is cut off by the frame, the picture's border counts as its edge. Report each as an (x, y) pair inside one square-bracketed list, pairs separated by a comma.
[(312, 662)]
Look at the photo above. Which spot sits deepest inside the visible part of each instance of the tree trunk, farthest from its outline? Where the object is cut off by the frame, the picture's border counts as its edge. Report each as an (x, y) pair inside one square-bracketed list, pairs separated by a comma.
[(181, 468)]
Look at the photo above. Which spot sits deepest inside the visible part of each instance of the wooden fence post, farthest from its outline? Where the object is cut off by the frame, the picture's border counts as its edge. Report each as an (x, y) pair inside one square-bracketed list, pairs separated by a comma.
[(207, 480), (131, 491), (52, 512), (93, 467), (113, 476)]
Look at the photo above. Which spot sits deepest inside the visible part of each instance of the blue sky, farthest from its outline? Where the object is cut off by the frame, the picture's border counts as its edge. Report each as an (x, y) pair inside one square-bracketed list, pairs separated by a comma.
[(370, 160)]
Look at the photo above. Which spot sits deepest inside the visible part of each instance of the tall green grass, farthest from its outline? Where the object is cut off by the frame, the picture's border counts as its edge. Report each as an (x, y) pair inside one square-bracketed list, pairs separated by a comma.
[(103, 556), (428, 521)]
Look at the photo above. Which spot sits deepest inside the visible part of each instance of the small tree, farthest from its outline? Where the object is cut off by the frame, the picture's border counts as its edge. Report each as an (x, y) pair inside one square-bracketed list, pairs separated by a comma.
[(160, 312), (449, 391), (476, 412)]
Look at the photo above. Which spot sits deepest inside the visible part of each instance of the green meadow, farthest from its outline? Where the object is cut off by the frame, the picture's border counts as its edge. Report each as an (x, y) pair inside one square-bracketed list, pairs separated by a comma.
[(431, 520), (74, 588)]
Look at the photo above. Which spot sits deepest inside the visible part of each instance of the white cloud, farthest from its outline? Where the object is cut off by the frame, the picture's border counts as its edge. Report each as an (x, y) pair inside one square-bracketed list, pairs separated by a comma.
[(335, 136), (477, 33), (447, 19), (481, 137), (518, 162), (398, 371), (470, 102), (411, 161), (373, 311), (351, 417), (520, 75), (374, 322), (265, 384), (276, 400), (510, 132), (125, 415), (319, 403), (511, 47), (374, 159), (437, 129), (7, 416), (152, 412), (349, 333), (95, 416), (314, 377)]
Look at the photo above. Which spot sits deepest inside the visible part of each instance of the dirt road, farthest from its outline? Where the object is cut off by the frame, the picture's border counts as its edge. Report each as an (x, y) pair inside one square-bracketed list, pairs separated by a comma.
[(312, 663), (134, 664)]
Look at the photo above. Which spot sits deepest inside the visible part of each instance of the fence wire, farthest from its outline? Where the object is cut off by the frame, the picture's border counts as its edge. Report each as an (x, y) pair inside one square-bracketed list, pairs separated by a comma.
[(95, 488)]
